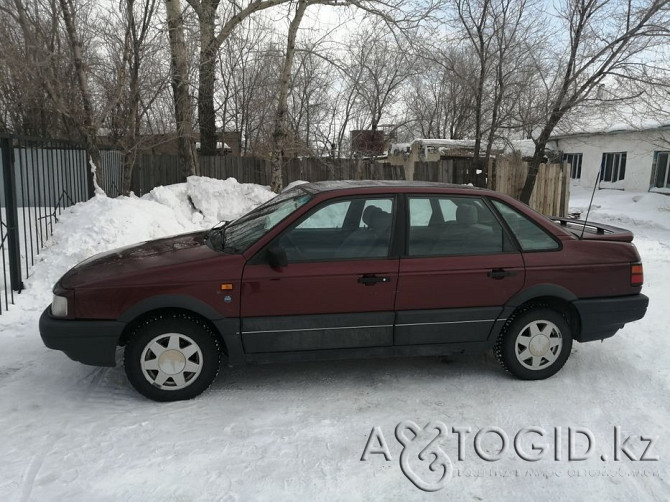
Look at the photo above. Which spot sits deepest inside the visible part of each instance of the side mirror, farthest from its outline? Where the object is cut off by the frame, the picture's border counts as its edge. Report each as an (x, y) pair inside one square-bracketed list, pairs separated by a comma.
[(277, 256)]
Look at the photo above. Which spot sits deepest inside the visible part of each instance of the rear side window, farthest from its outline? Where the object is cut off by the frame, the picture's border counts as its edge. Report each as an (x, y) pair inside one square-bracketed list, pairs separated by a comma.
[(530, 236), (449, 225)]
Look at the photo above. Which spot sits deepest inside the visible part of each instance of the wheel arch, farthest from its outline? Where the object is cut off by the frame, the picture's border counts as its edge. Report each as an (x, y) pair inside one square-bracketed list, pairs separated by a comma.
[(161, 302), (226, 330), (553, 296)]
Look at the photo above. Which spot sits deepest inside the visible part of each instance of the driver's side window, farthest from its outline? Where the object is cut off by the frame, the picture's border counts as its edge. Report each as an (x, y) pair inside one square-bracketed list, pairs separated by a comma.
[(345, 229)]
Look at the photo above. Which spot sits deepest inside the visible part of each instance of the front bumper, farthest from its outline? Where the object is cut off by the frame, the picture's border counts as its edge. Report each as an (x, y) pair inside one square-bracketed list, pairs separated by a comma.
[(89, 342), (602, 317)]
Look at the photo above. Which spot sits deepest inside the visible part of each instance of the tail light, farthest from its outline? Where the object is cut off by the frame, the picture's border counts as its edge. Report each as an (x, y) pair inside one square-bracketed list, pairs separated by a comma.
[(636, 274)]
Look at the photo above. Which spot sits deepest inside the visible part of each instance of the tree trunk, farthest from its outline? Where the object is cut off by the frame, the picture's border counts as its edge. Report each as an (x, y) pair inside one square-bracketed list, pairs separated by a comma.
[(87, 125), (207, 68), (279, 134), (180, 89), (535, 163)]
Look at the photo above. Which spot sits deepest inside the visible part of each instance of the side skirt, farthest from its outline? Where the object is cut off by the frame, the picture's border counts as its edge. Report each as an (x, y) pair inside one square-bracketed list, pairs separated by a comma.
[(369, 353)]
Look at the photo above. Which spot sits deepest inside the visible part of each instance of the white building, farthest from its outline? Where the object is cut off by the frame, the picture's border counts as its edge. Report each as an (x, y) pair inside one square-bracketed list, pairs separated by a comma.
[(626, 157)]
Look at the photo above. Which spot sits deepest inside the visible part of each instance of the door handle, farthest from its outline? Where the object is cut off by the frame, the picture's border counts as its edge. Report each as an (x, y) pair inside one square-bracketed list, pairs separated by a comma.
[(500, 273), (371, 280)]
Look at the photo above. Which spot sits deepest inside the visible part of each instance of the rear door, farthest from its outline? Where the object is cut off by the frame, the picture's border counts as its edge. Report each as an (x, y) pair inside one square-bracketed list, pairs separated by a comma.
[(338, 288), (458, 271)]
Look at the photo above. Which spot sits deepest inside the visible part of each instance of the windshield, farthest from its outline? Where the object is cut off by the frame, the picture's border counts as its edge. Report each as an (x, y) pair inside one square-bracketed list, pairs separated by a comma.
[(243, 232)]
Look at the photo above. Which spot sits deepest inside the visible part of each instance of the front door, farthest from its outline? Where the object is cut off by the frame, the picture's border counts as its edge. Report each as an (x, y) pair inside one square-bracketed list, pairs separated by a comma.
[(459, 270), (338, 288)]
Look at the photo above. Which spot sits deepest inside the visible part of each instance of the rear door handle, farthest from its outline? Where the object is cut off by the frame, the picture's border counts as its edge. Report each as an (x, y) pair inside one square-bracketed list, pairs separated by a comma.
[(371, 280), (500, 273)]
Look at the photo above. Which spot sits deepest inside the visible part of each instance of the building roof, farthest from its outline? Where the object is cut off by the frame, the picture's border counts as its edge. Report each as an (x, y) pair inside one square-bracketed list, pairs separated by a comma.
[(606, 118)]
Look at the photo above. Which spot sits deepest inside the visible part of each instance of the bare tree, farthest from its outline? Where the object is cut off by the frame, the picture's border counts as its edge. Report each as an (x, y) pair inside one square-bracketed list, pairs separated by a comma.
[(88, 126), (606, 39), (439, 100), (210, 42), (381, 67), (475, 18), (249, 64), (279, 135), (309, 100), (138, 17), (58, 64)]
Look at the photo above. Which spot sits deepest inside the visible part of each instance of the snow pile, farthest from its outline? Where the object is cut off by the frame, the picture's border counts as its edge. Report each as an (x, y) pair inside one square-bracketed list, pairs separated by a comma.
[(219, 200), (627, 209), (203, 201)]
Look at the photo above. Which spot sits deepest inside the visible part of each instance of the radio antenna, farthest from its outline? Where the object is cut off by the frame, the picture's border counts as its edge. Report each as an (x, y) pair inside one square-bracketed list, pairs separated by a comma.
[(590, 203)]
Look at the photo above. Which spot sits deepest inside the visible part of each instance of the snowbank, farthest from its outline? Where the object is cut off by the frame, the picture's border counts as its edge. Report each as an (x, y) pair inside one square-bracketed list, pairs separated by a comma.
[(623, 208)]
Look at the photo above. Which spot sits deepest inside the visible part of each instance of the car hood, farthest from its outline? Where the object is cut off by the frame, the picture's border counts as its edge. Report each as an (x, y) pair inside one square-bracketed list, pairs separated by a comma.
[(140, 261)]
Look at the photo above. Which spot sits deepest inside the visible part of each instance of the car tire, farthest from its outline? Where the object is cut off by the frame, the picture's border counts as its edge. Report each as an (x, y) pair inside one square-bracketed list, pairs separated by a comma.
[(172, 357), (534, 344)]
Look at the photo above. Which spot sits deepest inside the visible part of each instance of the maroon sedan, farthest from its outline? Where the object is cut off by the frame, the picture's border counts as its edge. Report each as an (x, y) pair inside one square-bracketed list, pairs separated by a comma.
[(350, 269)]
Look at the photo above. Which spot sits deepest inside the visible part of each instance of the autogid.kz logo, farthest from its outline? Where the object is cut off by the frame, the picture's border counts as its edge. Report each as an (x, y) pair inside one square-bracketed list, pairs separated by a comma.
[(424, 461)]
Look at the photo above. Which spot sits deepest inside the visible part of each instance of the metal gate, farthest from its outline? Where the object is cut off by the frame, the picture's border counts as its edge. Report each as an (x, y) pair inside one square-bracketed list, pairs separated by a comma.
[(40, 178)]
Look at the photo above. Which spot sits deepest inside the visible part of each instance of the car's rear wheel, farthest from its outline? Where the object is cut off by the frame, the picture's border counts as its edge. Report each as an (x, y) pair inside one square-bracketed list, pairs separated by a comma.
[(171, 358), (534, 344)]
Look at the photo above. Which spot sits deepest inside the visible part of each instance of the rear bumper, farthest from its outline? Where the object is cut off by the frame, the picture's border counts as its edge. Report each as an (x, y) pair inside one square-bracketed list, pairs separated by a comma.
[(603, 317), (89, 342)]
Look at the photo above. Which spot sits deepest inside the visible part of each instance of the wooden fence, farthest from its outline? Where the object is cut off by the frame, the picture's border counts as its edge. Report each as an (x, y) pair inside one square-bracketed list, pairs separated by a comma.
[(552, 185), (460, 171), (155, 170), (550, 196)]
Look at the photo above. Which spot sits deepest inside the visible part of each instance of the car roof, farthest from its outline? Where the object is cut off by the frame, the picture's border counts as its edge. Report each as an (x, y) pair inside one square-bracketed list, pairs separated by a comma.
[(397, 185)]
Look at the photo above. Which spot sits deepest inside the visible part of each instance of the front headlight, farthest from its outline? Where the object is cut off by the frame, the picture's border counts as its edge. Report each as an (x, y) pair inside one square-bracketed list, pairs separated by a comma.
[(59, 306)]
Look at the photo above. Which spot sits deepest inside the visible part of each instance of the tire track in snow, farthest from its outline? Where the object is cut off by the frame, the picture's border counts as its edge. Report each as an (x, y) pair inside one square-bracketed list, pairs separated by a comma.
[(30, 474)]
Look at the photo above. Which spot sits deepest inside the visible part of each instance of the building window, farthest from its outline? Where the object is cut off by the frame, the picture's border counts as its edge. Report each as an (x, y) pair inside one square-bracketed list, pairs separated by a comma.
[(575, 161), (661, 170), (613, 167)]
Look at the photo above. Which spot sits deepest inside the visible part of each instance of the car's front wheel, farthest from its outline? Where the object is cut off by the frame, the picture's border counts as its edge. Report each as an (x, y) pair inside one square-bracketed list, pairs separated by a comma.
[(535, 344), (171, 357)]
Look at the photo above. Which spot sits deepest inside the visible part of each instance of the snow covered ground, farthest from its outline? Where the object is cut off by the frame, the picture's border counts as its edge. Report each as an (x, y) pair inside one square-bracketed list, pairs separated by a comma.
[(298, 431)]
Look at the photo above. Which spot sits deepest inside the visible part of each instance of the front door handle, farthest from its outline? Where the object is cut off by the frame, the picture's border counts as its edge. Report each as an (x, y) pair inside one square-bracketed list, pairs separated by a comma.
[(371, 280), (500, 273)]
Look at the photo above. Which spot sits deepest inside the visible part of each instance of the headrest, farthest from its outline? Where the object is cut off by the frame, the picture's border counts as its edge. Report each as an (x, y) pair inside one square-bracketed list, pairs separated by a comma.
[(376, 218), (466, 214), (369, 214)]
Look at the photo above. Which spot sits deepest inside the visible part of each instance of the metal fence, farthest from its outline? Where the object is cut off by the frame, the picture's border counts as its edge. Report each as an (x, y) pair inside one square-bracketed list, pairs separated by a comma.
[(39, 179), (111, 180)]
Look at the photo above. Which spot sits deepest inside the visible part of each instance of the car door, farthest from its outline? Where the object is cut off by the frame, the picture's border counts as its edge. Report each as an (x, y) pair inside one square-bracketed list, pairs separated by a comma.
[(458, 271), (337, 289)]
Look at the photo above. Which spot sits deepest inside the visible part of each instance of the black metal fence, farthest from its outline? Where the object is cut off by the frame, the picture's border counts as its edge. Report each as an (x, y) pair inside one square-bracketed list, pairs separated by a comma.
[(39, 179), (111, 180)]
